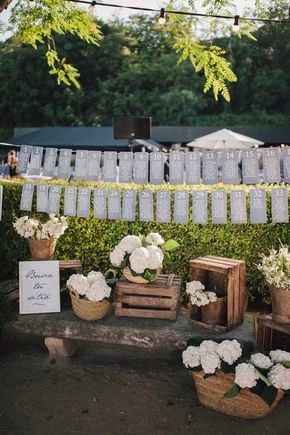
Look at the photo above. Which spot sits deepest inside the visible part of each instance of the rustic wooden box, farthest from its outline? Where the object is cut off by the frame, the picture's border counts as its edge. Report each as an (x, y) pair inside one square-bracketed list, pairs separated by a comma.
[(271, 335), (226, 273), (158, 300)]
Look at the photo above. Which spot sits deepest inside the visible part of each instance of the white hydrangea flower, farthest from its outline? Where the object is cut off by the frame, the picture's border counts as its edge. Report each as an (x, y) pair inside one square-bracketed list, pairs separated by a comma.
[(261, 361), (55, 227), (117, 256), (154, 239), (279, 376), (78, 283), (208, 346), (130, 243), (191, 357), (95, 276), (276, 267), (199, 298), (278, 356), (246, 375), (26, 227), (138, 260), (212, 297), (229, 351), (210, 362), (98, 291), (155, 259), (193, 286)]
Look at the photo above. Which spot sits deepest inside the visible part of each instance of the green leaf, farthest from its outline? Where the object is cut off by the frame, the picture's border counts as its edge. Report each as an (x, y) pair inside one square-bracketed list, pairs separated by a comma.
[(232, 392), (263, 378), (286, 364), (170, 245)]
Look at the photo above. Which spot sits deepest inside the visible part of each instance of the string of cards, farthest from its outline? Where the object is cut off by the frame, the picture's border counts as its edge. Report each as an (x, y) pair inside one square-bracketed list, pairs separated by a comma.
[(269, 165), (166, 207)]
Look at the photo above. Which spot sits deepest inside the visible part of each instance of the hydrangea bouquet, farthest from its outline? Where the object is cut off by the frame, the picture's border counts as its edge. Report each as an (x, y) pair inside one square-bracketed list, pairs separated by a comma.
[(141, 256), (92, 287), (197, 294), (276, 268), (32, 228)]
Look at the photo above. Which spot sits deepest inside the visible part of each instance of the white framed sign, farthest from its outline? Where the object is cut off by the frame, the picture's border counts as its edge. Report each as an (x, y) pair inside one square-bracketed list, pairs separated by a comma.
[(39, 289)]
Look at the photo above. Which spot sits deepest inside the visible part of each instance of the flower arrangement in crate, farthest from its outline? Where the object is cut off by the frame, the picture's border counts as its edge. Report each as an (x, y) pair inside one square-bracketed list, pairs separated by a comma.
[(141, 257), (276, 269), (213, 308), (228, 381), (42, 236), (89, 295)]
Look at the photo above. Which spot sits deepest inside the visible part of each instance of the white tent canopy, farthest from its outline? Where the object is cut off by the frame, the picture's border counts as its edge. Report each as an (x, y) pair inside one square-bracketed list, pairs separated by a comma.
[(224, 139)]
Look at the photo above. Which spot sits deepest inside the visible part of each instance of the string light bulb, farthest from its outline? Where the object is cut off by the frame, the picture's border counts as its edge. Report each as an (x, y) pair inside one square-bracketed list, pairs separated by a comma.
[(162, 17), (236, 25)]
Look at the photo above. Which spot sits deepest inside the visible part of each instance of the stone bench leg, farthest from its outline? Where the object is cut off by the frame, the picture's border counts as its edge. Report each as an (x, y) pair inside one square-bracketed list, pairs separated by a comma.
[(59, 347)]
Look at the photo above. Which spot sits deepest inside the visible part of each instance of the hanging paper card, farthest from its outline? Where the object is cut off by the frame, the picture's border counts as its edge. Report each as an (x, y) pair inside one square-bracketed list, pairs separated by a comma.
[(200, 207), (100, 203), (157, 160), (258, 211), (26, 197), (54, 194), (250, 167), (50, 162), (146, 206), (176, 167), (84, 202), (125, 167), (286, 165), (110, 166), (70, 201), (94, 165), (34, 166), (181, 200), (140, 168), (230, 168), (114, 204), (163, 207), (129, 205), (279, 200), (23, 158), (238, 207), (271, 163), (81, 166), (209, 168), (42, 198), (64, 164), (192, 167), (219, 207), (1, 201)]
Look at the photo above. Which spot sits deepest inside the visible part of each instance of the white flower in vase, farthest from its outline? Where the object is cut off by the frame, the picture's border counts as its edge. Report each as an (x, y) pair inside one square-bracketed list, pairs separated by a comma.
[(229, 351), (279, 356), (191, 357), (154, 239), (117, 256), (155, 259), (208, 346), (139, 259), (246, 375), (261, 361), (130, 243), (279, 376), (210, 362), (78, 283)]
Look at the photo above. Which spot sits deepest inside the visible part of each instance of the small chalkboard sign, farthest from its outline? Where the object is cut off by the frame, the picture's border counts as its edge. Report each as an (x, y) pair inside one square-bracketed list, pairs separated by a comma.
[(219, 207), (129, 205), (279, 201), (49, 162), (157, 160), (200, 207), (146, 206), (64, 169), (34, 167), (193, 167), (140, 168), (81, 165), (84, 202), (94, 165), (258, 210), (42, 198), (54, 194), (23, 158), (110, 166), (27, 197), (209, 168), (238, 207), (100, 203), (125, 167), (181, 203), (230, 168), (70, 201), (163, 206), (114, 204), (250, 167), (271, 163), (176, 167)]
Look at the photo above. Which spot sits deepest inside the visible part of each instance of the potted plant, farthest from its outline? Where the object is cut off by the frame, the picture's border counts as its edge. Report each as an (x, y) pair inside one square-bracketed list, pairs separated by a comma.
[(231, 383), (141, 258), (276, 269), (89, 295), (213, 308), (42, 236)]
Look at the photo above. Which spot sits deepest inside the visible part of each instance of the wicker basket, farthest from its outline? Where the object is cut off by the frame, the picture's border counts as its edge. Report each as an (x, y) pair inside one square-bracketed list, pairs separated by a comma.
[(211, 390), (137, 279), (88, 310)]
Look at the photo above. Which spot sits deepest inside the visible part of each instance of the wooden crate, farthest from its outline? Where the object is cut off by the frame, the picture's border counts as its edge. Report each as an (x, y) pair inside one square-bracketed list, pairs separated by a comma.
[(229, 274), (271, 335), (158, 300)]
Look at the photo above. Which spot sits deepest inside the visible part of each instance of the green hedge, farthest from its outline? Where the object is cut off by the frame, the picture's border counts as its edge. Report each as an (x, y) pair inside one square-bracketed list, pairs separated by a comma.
[(91, 240)]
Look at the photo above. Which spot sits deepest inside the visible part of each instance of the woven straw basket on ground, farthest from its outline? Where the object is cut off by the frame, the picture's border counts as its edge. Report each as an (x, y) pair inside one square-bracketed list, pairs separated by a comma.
[(211, 390), (88, 310)]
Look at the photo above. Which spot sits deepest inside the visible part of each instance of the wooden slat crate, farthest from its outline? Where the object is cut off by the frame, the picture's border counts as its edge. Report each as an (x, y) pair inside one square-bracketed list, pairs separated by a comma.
[(227, 273), (271, 335), (158, 300)]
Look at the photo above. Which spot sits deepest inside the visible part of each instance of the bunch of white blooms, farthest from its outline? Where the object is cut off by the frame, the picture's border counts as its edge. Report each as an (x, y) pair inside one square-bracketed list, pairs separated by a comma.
[(276, 267), (246, 375), (229, 351), (279, 356), (210, 362), (34, 229), (54, 227), (261, 361), (154, 239), (191, 357), (279, 376), (26, 227), (93, 287), (208, 346), (197, 295)]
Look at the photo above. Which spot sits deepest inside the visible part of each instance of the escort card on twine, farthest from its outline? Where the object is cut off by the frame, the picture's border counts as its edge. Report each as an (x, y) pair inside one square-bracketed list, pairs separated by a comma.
[(271, 163), (81, 165), (114, 204), (230, 168), (176, 167), (49, 166), (94, 165), (157, 160), (110, 166), (146, 206), (181, 202), (200, 207), (23, 158), (279, 201), (219, 207), (84, 202), (125, 167), (64, 169), (163, 206), (258, 210), (26, 197), (70, 201), (129, 205), (238, 207), (100, 203), (42, 198), (209, 168), (250, 167), (54, 194), (193, 167), (34, 167), (140, 168), (286, 165)]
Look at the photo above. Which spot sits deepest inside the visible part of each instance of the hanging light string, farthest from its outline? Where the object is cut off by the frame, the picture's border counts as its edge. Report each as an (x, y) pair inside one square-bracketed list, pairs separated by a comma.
[(176, 12)]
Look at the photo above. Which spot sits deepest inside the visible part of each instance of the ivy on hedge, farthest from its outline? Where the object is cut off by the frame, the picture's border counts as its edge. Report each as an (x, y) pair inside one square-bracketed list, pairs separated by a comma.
[(91, 240)]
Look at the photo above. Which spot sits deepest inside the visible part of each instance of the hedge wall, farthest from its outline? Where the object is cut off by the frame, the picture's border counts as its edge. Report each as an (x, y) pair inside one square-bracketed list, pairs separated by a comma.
[(91, 240)]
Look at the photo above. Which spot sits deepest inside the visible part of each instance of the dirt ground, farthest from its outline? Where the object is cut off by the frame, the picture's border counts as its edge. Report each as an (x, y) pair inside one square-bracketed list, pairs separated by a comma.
[(110, 391)]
